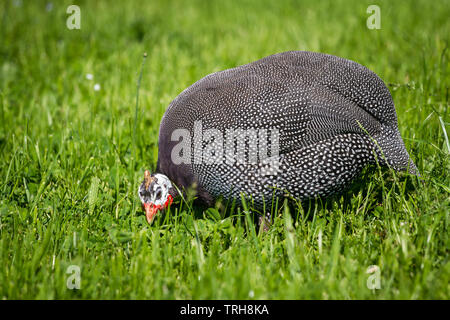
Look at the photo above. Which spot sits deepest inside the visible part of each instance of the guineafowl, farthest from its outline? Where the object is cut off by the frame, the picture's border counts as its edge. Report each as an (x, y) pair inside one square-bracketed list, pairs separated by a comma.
[(301, 123)]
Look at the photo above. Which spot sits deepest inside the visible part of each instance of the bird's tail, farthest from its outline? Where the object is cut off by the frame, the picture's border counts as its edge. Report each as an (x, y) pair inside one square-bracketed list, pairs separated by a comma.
[(391, 150)]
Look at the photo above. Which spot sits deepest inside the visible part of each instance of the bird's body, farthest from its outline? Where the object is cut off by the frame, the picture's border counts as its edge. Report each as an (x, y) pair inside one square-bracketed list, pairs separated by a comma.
[(319, 119)]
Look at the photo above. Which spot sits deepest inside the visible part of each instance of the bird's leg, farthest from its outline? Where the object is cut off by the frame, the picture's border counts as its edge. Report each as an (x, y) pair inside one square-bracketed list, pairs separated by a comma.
[(265, 222)]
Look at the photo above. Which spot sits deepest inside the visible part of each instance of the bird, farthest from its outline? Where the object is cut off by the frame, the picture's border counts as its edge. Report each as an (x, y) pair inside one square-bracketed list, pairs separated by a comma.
[(297, 122)]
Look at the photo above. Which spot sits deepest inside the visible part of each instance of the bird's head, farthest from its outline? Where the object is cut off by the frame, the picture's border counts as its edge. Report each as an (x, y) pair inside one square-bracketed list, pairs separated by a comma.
[(155, 193)]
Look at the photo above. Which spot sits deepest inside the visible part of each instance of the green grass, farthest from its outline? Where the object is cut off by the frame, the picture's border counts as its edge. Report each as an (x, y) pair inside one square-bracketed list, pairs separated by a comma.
[(70, 167)]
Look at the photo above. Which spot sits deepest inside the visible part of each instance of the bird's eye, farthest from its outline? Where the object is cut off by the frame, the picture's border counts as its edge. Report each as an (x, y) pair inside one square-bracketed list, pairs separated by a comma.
[(158, 194)]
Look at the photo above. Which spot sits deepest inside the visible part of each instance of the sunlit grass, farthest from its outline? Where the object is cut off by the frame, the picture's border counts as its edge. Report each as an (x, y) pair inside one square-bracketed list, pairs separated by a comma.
[(70, 166)]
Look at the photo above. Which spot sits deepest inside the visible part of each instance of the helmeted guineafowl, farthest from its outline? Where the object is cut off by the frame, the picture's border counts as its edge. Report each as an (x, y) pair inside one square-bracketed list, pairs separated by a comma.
[(298, 122)]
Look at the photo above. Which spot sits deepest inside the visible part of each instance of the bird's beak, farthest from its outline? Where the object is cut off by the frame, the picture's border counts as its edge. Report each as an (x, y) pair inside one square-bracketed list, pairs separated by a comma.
[(150, 212)]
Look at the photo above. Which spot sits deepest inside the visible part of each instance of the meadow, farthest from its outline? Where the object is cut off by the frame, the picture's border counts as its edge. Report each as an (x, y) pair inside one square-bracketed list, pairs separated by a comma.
[(74, 147)]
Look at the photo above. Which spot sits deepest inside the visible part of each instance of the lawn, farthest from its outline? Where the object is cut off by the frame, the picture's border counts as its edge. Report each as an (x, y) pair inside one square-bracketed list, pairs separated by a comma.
[(74, 147)]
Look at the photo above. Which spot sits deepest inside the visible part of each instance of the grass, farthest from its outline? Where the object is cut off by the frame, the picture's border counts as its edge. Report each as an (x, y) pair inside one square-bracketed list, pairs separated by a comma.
[(70, 166)]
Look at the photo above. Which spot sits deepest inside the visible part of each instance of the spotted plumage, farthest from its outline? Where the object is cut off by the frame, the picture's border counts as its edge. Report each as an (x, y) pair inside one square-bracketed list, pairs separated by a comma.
[(332, 116)]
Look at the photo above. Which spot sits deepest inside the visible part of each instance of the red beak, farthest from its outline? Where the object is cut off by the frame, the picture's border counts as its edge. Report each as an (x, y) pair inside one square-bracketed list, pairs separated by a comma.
[(150, 212)]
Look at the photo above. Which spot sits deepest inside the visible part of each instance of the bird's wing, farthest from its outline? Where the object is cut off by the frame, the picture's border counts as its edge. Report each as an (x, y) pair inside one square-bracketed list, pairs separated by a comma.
[(302, 112)]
